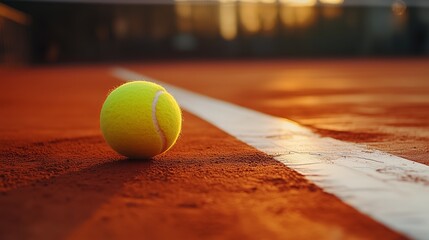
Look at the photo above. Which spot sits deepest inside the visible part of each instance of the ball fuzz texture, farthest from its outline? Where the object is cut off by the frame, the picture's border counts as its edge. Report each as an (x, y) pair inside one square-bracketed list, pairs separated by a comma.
[(140, 119)]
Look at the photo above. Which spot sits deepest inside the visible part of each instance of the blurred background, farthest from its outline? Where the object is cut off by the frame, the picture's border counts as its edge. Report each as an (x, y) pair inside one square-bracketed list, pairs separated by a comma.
[(42, 32)]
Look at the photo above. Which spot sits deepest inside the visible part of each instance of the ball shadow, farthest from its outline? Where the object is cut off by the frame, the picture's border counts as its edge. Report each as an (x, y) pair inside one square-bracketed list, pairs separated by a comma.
[(53, 208)]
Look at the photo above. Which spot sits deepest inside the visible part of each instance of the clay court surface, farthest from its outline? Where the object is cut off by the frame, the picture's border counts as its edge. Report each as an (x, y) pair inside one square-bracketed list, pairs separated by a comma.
[(56, 169)]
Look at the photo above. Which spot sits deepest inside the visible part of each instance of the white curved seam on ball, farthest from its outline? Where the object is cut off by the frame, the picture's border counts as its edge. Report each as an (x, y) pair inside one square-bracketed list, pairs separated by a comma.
[(155, 120)]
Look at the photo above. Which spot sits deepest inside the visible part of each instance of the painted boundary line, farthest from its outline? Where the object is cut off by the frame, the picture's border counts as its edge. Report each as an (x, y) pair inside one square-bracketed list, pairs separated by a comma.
[(392, 190)]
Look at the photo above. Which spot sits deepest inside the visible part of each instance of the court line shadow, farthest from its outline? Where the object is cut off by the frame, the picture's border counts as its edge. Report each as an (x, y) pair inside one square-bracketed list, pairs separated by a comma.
[(53, 208)]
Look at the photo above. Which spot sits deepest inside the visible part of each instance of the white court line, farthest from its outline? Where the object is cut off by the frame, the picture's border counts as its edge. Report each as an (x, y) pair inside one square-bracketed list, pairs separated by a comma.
[(393, 190)]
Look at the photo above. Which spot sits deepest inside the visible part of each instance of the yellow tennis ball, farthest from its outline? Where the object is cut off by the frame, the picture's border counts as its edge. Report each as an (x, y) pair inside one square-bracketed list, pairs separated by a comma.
[(140, 119)]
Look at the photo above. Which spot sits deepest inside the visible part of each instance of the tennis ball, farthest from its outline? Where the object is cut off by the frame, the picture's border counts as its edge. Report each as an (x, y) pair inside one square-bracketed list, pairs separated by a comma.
[(140, 119)]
